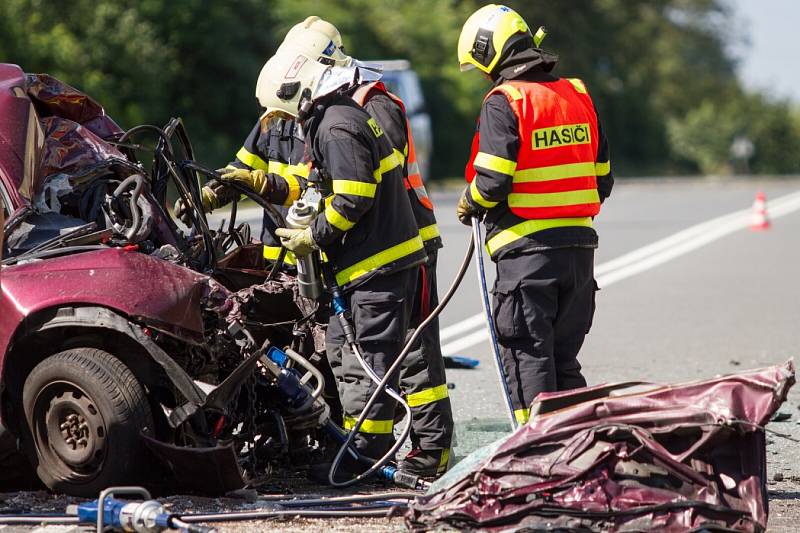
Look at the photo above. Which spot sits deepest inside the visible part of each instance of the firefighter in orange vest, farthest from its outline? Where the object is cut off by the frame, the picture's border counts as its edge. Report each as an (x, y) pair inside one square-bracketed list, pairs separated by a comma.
[(538, 172)]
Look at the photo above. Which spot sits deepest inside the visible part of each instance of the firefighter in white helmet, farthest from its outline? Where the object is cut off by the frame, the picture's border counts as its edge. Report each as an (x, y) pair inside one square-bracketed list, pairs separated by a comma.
[(279, 149), (370, 238), (423, 380)]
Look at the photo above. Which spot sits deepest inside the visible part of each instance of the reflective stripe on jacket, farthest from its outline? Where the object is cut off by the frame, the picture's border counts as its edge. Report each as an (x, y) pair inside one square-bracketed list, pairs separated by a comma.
[(277, 151)]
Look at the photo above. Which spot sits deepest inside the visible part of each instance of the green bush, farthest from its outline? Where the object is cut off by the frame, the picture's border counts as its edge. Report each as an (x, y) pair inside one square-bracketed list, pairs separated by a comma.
[(658, 70)]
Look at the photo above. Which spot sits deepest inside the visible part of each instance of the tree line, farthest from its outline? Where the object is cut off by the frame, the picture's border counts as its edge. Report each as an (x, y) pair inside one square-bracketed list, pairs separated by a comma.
[(660, 71)]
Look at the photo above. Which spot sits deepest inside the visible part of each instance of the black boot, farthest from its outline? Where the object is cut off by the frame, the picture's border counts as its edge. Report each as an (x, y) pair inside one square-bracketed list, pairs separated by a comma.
[(427, 464)]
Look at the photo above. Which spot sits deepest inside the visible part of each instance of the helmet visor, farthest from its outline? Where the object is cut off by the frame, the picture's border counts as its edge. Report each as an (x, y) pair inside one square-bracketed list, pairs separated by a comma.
[(464, 67), (368, 72), (333, 79)]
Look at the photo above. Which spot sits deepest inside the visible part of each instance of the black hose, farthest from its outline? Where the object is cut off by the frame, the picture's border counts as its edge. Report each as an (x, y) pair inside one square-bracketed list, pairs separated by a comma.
[(278, 262), (290, 513), (142, 127), (136, 223), (381, 498), (357, 498), (388, 376), (250, 193)]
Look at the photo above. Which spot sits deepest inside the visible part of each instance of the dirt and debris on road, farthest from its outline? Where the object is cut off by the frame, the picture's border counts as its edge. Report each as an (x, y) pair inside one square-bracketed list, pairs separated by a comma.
[(782, 483)]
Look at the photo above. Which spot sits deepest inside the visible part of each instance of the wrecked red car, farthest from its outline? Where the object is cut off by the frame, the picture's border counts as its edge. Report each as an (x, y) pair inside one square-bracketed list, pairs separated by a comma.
[(623, 457), (130, 346)]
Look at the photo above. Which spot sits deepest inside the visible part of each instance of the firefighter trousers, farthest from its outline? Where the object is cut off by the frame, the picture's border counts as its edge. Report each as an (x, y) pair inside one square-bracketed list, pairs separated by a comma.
[(381, 310), (422, 377), (543, 307)]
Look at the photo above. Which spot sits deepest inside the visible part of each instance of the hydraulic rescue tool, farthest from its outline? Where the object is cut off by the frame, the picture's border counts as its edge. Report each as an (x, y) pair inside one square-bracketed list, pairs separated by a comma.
[(498, 362), (300, 399), (301, 214), (145, 516)]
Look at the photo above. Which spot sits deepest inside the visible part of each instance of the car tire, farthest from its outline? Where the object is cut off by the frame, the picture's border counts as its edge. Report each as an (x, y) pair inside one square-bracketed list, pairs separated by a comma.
[(84, 411)]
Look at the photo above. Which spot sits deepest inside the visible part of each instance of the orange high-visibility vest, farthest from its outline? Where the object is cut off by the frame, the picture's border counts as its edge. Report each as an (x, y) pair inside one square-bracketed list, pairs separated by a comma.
[(414, 179), (554, 175)]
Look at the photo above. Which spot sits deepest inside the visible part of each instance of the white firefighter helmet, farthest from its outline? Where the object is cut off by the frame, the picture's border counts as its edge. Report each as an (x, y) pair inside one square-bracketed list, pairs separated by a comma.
[(318, 39), (291, 82), (287, 80)]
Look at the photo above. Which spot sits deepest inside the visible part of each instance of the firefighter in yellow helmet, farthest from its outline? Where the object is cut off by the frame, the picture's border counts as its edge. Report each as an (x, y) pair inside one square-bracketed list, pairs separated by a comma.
[(538, 173)]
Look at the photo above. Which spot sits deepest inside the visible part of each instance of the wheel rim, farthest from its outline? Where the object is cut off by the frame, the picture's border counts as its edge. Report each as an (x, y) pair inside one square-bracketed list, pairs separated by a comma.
[(70, 431)]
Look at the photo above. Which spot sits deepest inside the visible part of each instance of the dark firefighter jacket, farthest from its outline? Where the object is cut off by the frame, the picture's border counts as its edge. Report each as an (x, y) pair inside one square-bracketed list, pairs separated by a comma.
[(499, 137), (392, 120), (364, 230), (279, 150)]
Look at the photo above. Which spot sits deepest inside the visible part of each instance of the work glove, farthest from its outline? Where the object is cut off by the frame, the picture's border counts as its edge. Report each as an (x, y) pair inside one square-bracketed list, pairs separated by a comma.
[(211, 201), (299, 241), (465, 210), (253, 179)]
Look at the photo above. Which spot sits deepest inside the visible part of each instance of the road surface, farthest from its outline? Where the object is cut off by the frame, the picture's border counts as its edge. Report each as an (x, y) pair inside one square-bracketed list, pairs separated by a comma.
[(687, 292)]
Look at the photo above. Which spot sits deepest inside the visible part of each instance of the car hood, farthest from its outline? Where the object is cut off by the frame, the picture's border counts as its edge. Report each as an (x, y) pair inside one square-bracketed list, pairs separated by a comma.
[(142, 287)]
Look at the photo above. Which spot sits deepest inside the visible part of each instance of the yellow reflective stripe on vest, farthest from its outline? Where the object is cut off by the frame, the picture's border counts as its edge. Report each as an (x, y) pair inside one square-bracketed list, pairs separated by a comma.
[(507, 236), (478, 198), (602, 169), (522, 415), (578, 84), (379, 260), (390, 162), (429, 232), (495, 163), (272, 253), (250, 159), (336, 220), (555, 172), (356, 188), (424, 397), (511, 91), (400, 156), (376, 427), (554, 199)]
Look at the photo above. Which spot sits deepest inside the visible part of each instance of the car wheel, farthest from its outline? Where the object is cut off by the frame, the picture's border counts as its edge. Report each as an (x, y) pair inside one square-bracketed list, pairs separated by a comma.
[(84, 410)]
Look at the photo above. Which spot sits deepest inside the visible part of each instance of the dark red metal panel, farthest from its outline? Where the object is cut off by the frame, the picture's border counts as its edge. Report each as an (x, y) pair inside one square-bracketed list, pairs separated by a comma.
[(134, 284), (15, 109), (644, 457)]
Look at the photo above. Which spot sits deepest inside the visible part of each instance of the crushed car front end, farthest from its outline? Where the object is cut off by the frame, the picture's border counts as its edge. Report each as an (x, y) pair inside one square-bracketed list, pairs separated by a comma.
[(171, 330)]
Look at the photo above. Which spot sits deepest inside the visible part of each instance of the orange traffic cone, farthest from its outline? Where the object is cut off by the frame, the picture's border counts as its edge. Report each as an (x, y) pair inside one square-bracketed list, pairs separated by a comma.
[(759, 219)]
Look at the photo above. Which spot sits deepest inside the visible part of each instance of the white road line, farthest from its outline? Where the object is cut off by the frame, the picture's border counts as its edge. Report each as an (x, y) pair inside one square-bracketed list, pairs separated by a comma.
[(463, 326), (476, 337), (640, 260)]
